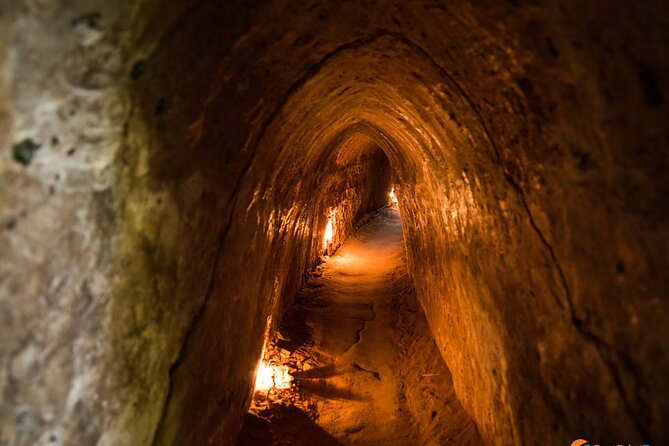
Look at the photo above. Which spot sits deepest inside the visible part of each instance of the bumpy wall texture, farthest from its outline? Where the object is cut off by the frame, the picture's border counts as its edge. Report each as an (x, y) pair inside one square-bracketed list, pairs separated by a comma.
[(168, 168)]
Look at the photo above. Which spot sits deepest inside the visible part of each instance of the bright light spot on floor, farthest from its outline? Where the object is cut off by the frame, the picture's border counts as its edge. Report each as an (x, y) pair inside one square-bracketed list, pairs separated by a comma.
[(393, 197), (328, 234), (272, 377), (264, 378)]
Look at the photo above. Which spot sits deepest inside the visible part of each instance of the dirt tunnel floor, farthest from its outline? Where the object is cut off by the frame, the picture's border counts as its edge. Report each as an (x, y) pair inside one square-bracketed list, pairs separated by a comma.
[(366, 369)]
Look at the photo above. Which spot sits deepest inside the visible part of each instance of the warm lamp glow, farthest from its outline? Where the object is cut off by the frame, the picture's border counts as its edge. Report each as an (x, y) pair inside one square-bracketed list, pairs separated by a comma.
[(393, 198), (328, 234), (264, 378), (272, 377)]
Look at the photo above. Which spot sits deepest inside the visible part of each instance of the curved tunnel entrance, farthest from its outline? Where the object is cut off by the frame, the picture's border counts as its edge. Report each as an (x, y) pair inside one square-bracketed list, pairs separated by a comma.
[(352, 360), (481, 228)]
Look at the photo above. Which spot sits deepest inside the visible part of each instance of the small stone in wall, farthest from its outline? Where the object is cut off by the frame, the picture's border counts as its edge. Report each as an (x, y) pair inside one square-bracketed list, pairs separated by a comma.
[(24, 151), (138, 69), (161, 106)]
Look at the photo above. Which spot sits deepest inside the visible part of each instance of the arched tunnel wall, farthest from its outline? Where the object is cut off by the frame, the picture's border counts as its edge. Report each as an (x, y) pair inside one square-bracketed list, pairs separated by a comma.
[(190, 155)]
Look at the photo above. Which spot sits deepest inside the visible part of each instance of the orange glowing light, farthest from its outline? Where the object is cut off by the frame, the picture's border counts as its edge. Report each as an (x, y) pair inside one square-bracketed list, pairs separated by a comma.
[(393, 197), (328, 234), (272, 377)]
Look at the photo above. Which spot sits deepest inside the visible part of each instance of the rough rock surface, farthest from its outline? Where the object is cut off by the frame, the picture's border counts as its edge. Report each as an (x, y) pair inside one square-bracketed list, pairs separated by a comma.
[(190, 153)]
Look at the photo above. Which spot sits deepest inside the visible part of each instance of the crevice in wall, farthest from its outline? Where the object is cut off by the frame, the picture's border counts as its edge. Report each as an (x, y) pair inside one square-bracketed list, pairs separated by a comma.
[(201, 308)]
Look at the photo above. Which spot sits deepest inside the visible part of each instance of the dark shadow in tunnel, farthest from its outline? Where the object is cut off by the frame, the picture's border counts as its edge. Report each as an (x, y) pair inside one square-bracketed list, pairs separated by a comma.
[(283, 425), (328, 391), (294, 332), (332, 370), (318, 372)]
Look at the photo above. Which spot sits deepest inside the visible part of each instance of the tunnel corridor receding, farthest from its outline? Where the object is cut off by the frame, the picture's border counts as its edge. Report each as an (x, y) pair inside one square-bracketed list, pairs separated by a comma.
[(170, 171), (365, 369)]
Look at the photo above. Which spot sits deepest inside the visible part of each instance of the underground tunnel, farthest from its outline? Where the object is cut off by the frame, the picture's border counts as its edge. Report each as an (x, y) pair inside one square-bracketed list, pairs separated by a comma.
[(373, 222)]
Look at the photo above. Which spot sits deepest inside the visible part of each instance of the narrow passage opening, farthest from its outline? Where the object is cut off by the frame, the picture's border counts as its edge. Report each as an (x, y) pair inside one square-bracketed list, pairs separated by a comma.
[(353, 361)]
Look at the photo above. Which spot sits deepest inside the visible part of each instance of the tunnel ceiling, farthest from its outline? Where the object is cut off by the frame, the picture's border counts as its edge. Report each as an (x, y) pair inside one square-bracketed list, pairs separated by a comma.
[(190, 156)]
